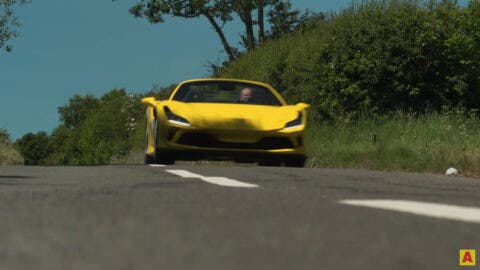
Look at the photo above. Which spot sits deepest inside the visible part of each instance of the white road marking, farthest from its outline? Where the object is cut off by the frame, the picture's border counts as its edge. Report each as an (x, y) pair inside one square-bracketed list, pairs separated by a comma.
[(185, 174), (156, 165), (222, 181), (436, 210)]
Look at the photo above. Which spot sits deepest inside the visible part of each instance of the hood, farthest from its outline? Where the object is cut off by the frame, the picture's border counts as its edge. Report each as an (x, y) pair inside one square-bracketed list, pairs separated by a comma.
[(234, 116)]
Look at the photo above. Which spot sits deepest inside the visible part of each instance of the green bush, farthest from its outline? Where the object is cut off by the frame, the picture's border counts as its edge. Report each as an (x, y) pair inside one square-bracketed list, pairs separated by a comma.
[(35, 148), (8, 154), (94, 131), (375, 57), (101, 130)]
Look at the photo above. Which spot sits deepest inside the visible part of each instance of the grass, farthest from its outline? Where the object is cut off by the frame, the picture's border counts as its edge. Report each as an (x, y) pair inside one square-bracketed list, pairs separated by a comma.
[(9, 155), (400, 142)]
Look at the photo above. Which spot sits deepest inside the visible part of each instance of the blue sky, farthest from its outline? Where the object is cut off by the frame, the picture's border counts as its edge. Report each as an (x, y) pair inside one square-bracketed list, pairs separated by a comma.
[(69, 47)]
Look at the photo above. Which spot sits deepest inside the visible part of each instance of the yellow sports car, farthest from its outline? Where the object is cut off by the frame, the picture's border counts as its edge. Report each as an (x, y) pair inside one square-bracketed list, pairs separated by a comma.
[(217, 119)]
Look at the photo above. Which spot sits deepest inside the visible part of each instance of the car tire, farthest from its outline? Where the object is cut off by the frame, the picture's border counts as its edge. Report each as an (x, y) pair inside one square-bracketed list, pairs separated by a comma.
[(269, 163), (149, 159), (295, 162), (156, 159), (164, 159)]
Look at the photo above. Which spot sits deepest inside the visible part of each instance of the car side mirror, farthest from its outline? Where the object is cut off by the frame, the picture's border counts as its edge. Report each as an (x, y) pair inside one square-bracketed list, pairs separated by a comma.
[(302, 106), (149, 101)]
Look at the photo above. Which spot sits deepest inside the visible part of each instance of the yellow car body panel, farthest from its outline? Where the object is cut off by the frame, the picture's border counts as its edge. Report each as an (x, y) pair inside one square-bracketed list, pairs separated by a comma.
[(175, 126)]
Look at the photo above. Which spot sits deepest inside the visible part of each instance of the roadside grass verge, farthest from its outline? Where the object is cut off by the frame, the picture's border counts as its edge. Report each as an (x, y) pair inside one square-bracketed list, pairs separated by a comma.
[(399, 142), (9, 155)]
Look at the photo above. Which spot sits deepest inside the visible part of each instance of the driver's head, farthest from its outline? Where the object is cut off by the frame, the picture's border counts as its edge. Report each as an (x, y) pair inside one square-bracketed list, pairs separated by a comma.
[(246, 95)]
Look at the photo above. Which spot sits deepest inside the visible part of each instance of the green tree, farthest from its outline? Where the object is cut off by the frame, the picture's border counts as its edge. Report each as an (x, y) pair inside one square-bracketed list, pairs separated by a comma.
[(8, 22), (4, 136), (105, 134), (218, 13), (9, 155), (283, 19), (95, 130), (462, 47), (35, 148), (77, 110)]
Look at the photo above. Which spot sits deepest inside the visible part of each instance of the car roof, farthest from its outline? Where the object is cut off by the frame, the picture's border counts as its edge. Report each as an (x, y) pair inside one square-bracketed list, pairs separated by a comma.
[(227, 80)]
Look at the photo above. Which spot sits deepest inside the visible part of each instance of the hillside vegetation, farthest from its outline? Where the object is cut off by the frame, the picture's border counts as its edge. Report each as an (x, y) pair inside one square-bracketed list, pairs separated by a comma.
[(375, 57)]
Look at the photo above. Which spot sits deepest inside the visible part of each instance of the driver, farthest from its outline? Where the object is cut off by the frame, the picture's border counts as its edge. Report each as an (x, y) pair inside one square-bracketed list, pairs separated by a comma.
[(246, 95)]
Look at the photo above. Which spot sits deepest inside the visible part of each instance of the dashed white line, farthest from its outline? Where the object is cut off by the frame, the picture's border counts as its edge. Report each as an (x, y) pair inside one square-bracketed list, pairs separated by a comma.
[(436, 210), (156, 165), (222, 181), (185, 174)]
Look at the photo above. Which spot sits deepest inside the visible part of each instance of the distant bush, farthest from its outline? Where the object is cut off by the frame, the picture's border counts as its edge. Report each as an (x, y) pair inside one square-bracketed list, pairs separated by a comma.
[(8, 154), (35, 148), (92, 130), (376, 57), (4, 137)]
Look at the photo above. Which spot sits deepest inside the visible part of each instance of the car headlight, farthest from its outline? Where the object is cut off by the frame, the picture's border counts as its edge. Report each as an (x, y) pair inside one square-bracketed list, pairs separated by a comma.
[(297, 122), (175, 119)]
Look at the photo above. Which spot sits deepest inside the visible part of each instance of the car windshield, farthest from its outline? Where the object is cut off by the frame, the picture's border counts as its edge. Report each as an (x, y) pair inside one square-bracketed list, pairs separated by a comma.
[(226, 92)]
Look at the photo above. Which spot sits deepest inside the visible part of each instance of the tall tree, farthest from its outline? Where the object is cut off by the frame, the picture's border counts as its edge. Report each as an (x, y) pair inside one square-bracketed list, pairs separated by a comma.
[(283, 19), (244, 9), (261, 21), (218, 13), (73, 114), (8, 22), (4, 136)]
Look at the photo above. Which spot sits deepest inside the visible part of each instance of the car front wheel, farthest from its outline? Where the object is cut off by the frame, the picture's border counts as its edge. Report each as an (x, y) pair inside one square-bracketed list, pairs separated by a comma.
[(295, 162), (149, 159), (269, 163), (165, 159)]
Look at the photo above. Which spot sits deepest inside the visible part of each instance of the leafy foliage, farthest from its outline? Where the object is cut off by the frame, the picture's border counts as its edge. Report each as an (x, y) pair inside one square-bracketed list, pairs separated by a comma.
[(4, 136), (92, 130), (35, 148), (8, 22), (219, 12), (285, 20), (377, 57), (77, 110), (8, 154)]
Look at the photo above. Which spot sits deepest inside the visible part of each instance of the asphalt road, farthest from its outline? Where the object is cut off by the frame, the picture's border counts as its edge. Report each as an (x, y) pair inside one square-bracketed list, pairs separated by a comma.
[(140, 217)]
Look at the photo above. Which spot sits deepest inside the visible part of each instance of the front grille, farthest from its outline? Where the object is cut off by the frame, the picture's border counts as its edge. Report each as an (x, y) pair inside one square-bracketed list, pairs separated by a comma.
[(209, 141)]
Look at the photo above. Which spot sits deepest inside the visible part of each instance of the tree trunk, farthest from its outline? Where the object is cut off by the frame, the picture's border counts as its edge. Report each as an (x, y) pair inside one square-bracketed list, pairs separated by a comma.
[(249, 30), (218, 29), (246, 17), (261, 26)]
